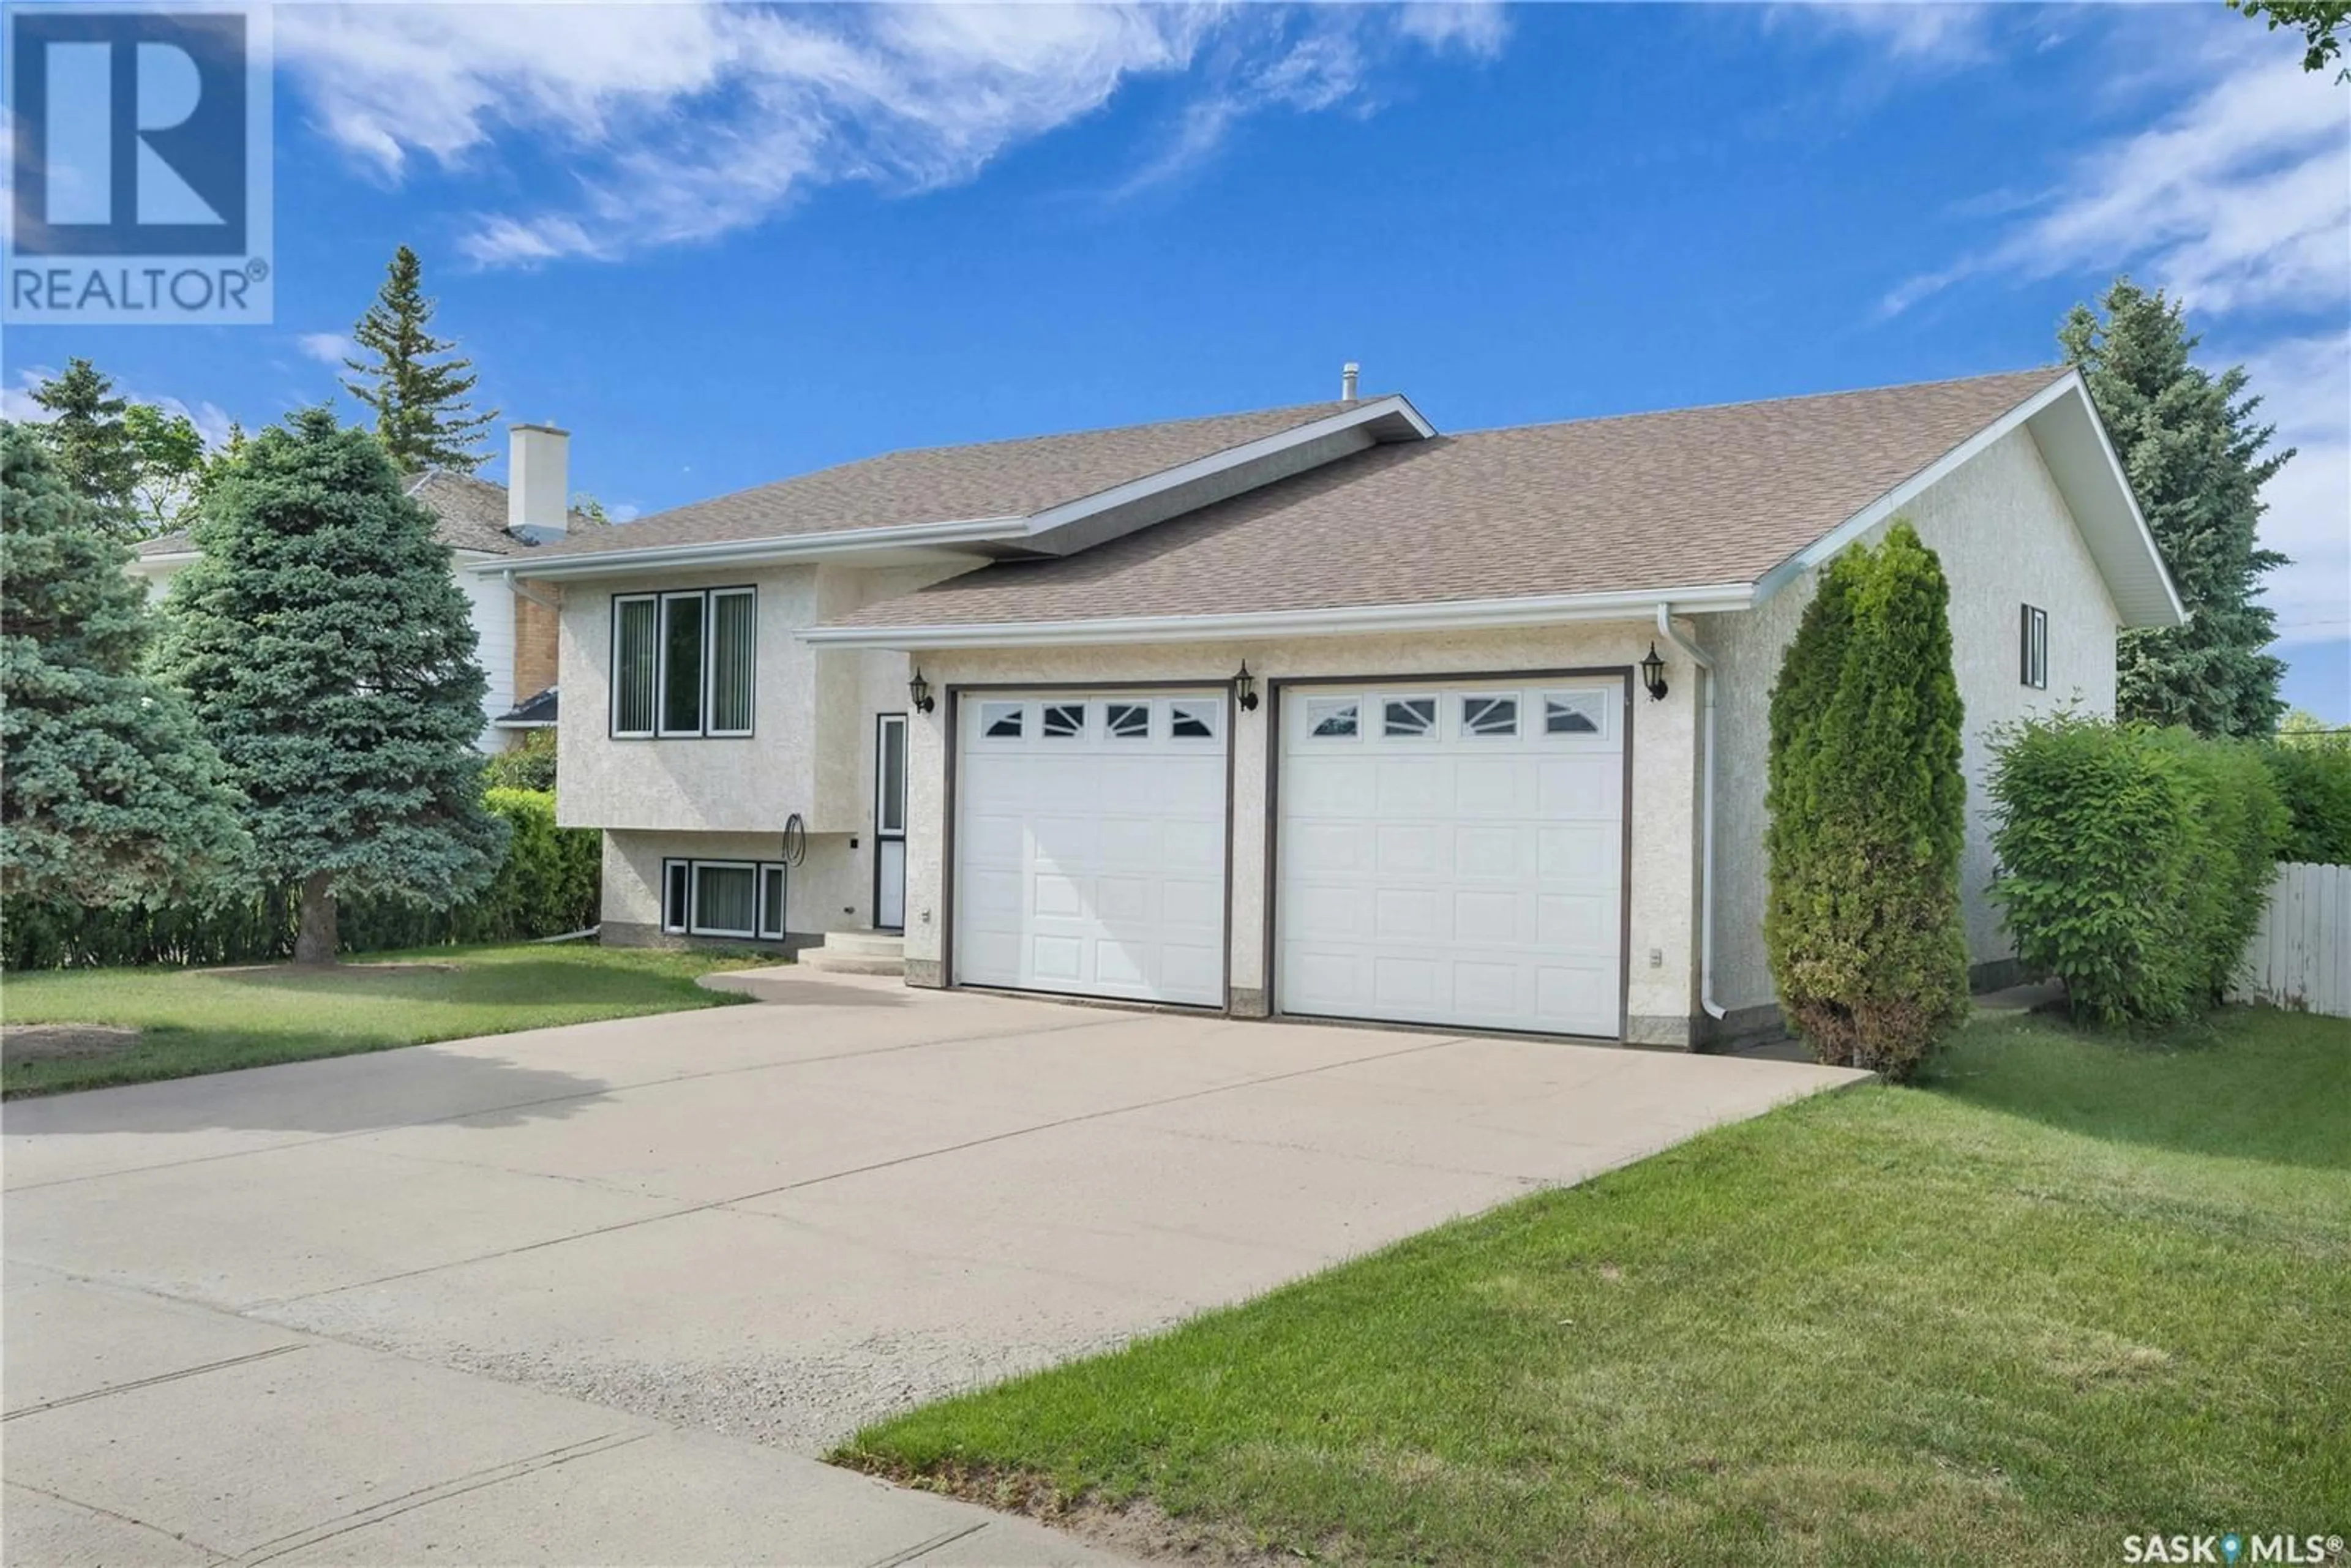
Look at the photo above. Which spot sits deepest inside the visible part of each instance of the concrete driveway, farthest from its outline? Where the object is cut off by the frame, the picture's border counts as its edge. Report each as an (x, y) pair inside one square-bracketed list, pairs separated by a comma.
[(248, 1314)]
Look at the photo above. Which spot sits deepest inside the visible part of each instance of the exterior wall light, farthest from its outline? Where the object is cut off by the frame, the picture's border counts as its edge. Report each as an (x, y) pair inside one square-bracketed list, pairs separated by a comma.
[(918, 692), (1245, 689), (1653, 675)]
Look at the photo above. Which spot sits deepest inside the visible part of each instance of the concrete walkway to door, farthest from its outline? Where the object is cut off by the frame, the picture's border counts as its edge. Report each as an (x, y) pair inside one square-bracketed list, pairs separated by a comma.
[(439, 1300)]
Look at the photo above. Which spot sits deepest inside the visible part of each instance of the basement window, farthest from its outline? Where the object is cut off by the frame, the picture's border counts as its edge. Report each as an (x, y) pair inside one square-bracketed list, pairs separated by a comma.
[(743, 899)]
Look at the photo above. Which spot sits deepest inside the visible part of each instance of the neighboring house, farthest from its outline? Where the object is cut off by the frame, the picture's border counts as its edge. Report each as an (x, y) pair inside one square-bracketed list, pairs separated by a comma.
[(480, 522), (1001, 687)]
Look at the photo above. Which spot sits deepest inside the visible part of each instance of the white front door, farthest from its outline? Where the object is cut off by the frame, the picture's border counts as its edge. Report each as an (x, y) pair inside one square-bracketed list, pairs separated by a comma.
[(1090, 843), (890, 822), (1454, 854)]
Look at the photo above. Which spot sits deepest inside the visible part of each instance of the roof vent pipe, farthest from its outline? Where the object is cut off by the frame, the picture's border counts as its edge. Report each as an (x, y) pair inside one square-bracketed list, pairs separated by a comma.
[(1347, 374)]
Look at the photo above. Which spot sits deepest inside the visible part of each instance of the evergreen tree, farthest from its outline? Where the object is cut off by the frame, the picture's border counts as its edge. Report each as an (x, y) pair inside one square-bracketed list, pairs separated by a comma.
[(421, 413), (109, 794), (93, 444), (1869, 814), (2195, 458), (330, 654)]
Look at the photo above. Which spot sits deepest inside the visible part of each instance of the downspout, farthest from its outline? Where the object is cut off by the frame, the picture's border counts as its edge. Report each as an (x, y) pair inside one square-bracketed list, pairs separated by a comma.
[(523, 590), (1714, 1010)]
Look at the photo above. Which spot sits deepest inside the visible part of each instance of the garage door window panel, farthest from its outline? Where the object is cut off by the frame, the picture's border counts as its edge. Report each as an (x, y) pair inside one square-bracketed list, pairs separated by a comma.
[(1489, 718), (1000, 721), (1576, 713), (1409, 718)]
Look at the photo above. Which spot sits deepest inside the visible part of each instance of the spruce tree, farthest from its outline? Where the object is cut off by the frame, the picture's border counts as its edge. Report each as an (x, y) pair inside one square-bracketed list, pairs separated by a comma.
[(1869, 814), (330, 654), (2195, 458), (93, 444), (110, 795), (422, 415)]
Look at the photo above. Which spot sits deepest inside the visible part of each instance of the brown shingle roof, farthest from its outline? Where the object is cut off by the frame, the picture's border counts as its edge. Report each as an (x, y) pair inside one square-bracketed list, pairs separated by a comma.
[(947, 484), (1692, 497), (469, 514)]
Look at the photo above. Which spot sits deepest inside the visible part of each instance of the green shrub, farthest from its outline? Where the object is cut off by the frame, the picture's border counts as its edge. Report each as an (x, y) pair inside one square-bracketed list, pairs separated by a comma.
[(547, 885), (1869, 814), (530, 765), (2134, 861), (2313, 778)]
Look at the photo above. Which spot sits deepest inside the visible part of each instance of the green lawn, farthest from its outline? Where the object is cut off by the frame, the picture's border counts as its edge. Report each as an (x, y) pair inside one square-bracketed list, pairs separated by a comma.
[(209, 1020), (2070, 1290)]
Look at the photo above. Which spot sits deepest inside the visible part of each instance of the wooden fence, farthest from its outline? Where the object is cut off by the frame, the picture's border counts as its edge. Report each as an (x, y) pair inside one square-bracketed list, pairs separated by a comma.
[(2301, 956)]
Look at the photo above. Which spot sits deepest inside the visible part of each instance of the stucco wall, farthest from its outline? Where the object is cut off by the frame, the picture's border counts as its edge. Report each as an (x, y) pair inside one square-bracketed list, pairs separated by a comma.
[(2006, 539), (1661, 999)]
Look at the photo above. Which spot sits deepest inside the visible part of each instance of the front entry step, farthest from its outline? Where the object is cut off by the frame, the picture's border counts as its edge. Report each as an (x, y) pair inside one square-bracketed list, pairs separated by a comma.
[(858, 953)]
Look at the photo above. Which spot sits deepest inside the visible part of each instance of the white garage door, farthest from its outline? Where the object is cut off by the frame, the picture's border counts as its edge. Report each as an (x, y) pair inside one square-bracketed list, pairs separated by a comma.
[(1454, 854), (1090, 844)]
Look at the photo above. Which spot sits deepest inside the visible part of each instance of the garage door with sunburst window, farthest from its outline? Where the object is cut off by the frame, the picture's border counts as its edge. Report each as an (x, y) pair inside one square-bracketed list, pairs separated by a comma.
[(1090, 844), (1454, 854)]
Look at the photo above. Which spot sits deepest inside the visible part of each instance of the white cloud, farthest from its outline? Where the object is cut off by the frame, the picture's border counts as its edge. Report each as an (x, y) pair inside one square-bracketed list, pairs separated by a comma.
[(330, 349), (683, 121), (1929, 32), (2242, 198), (2304, 384)]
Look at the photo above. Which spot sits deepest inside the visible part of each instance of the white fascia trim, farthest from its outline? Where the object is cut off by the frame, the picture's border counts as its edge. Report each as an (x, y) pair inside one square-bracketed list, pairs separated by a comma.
[(1457, 616), (2070, 385), (172, 558), (1231, 457), (794, 547), (1909, 490)]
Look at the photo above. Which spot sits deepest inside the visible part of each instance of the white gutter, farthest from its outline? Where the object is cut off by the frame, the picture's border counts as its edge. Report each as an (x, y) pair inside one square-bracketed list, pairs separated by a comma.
[(1714, 1010), (720, 552), (1458, 615)]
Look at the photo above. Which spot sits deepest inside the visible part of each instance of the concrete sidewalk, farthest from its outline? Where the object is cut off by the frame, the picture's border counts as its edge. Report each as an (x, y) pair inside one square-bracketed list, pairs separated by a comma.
[(144, 1431)]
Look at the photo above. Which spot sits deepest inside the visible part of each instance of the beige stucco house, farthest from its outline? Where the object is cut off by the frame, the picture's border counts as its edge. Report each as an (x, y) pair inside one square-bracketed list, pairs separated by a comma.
[(1316, 711)]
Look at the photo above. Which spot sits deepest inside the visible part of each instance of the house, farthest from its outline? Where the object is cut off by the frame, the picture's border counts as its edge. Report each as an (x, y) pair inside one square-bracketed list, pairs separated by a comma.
[(480, 522), (1315, 710)]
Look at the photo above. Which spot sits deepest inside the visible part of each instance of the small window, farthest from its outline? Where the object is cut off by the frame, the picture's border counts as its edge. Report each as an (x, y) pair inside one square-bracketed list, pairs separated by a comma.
[(1333, 718), (1408, 717), (771, 903), (680, 683), (1127, 721), (1000, 721), (1194, 720), (674, 875), (637, 664), (1574, 713), (1489, 715), (2033, 637), (1061, 721), (732, 646)]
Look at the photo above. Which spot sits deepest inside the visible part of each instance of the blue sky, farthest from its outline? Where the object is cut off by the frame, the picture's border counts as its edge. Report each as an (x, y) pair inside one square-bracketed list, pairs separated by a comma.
[(722, 245)]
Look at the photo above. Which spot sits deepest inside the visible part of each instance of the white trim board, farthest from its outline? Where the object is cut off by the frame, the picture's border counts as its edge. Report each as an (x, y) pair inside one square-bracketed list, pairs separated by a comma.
[(2063, 422), (1458, 615)]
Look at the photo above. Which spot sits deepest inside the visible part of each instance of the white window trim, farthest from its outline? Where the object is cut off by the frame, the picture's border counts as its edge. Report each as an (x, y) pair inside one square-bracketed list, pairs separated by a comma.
[(710, 661), (613, 717), (1208, 710), (1331, 707), (2035, 629), (661, 677), (1600, 720), (669, 862), (693, 899), (772, 930), (1436, 729), (883, 724), (1518, 716)]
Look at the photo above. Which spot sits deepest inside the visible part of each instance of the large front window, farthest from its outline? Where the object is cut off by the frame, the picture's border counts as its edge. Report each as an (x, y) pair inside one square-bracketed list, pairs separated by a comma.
[(683, 662)]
